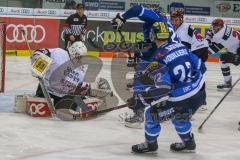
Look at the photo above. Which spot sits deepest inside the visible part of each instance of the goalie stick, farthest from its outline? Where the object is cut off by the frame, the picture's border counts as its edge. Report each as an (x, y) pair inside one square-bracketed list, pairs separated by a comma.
[(46, 94), (214, 109), (95, 45)]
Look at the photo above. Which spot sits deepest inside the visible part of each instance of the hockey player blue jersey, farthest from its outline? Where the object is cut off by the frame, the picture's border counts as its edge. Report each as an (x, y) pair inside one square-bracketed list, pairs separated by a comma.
[(149, 16), (153, 79), (186, 70)]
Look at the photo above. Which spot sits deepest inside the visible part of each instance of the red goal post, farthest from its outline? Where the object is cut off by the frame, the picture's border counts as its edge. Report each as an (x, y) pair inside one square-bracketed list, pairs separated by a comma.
[(2, 55)]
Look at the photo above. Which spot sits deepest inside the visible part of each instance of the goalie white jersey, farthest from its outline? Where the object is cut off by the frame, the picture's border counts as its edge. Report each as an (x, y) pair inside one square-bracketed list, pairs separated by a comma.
[(63, 76), (190, 38), (227, 38)]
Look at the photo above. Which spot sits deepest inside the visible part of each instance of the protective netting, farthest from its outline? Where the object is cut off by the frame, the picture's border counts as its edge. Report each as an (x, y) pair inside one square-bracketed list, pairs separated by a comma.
[(2, 55)]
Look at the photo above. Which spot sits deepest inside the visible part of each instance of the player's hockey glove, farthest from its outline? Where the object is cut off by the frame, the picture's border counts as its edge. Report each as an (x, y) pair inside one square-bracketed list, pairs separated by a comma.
[(237, 58), (131, 102), (230, 58), (117, 22), (157, 107), (131, 61)]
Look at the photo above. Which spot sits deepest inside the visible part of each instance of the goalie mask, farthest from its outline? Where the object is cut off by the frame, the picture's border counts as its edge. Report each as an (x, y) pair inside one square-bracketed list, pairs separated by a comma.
[(77, 49)]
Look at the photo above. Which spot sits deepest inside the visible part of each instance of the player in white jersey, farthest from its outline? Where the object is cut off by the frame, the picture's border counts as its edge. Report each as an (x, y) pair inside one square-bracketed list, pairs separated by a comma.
[(224, 37), (189, 36), (65, 81), (73, 77)]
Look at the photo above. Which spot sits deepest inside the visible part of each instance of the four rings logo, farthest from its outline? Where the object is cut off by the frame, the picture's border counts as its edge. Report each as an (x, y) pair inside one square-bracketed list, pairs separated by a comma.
[(34, 34)]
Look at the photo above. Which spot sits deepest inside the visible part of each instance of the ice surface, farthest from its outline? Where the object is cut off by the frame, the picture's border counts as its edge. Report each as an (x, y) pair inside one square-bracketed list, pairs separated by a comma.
[(105, 138)]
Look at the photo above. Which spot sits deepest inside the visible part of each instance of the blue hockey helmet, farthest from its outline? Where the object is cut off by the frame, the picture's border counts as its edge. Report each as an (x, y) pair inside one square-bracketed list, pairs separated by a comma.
[(160, 30)]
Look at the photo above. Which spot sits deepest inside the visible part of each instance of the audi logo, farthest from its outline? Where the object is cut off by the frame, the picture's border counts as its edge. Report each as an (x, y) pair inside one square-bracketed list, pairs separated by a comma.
[(34, 34)]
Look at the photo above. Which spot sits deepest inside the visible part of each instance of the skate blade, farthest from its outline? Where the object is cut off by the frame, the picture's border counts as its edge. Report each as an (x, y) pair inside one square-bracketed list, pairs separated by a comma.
[(150, 152), (134, 125), (184, 151), (223, 90), (202, 109)]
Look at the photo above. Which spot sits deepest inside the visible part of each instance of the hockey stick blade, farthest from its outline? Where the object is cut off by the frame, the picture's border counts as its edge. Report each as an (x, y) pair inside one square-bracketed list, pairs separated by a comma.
[(68, 115), (107, 110), (214, 109)]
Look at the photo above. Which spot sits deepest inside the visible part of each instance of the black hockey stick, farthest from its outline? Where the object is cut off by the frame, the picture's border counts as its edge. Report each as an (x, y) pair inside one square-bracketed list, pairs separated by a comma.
[(67, 115), (123, 40), (94, 44), (214, 109), (111, 109)]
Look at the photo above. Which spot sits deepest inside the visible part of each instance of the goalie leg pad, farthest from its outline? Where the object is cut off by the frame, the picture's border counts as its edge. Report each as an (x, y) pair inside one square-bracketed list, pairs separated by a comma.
[(37, 107), (20, 103)]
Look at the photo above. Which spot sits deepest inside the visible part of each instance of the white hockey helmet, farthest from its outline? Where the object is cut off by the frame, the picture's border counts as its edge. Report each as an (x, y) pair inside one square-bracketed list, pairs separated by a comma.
[(77, 49)]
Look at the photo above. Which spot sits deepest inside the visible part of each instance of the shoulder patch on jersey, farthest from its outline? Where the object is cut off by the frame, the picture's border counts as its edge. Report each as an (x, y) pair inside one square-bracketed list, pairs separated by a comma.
[(227, 33), (190, 30)]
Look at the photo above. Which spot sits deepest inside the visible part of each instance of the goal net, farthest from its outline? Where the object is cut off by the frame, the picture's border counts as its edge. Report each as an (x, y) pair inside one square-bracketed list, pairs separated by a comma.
[(2, 55)]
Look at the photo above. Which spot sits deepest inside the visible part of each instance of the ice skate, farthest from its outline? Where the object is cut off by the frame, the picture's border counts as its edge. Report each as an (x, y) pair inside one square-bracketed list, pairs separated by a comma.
[(188, 146), (145, 147)]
